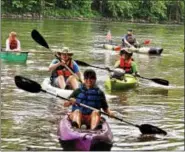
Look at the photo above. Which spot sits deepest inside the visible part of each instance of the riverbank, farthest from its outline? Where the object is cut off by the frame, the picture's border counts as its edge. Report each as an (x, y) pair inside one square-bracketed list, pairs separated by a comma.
[(35, 16)]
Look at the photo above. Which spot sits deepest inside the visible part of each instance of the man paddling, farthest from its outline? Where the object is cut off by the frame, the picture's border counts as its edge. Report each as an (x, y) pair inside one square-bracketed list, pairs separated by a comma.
[(126, 62), (65, 71), (88, 94), (129, 40)]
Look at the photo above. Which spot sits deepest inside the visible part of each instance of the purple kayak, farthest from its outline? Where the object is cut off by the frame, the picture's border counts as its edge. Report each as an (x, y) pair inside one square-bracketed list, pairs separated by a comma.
[(72, 138)]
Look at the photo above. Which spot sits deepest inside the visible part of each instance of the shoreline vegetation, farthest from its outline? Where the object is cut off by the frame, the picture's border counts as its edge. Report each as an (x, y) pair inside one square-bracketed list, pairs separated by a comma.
[(142, 11), (81, 18)]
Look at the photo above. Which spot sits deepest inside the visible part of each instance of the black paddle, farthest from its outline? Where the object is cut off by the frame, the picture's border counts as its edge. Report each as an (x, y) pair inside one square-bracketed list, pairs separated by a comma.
[(40, 40), (34, 87), (156, 80)]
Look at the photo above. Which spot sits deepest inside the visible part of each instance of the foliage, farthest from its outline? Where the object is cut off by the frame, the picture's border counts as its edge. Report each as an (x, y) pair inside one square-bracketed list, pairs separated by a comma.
[(148, 10)]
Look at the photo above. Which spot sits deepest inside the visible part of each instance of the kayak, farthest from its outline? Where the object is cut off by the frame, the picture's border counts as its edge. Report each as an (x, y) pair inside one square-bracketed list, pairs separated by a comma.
[(12, 56), (74, 139), (46, 85), (141, 50), (116, 84)]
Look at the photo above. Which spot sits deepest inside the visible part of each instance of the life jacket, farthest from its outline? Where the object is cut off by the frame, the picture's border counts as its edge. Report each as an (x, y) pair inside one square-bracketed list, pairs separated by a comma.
[(90, 97), (130, 39), (126, 65), (61, 70), (13, 44)]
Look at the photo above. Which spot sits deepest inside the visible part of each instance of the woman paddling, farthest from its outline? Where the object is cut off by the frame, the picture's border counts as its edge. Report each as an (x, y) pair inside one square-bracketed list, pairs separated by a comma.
[(12, 43), (88, 94), (62, 69)]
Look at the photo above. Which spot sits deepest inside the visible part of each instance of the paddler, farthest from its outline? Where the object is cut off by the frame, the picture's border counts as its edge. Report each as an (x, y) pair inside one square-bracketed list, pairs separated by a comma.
[(12, 43), (129, 40), (90, 95), (62, 76), (127, 63)]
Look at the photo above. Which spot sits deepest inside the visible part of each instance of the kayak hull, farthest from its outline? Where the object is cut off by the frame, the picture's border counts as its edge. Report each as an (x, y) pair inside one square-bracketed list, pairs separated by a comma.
[(115, 84), (84, 139), (141, 50), (46, 85), (12, 56)]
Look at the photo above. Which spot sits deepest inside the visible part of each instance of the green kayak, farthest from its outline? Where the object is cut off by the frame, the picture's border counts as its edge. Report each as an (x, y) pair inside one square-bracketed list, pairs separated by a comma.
[(13, 56), (115, 84)]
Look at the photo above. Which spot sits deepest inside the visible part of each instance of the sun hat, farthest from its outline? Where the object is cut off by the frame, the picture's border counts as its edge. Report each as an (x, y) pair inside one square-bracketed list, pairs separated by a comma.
[(64, 50)]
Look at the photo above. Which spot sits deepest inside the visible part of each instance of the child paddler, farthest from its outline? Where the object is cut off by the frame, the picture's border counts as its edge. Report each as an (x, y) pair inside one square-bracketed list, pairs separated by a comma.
[(127, 63), (88, 94)]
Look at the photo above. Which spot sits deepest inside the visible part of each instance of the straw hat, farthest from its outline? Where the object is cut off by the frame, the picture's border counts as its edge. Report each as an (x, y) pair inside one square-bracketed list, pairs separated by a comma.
[(64, 50)]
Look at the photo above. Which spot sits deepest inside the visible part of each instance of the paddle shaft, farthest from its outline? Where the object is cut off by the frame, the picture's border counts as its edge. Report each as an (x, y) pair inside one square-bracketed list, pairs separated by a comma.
[(156, 80), (40, 40), (69, 70), (83, 105), (34, 87)]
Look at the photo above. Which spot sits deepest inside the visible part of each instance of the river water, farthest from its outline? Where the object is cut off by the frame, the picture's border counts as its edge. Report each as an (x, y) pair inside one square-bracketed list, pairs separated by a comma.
[(29, 119)]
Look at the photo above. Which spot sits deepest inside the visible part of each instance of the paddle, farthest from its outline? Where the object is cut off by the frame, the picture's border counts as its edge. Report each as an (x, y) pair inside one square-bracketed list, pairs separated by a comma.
[(156, 80), (118, 48), (40, 40), (33, 87)]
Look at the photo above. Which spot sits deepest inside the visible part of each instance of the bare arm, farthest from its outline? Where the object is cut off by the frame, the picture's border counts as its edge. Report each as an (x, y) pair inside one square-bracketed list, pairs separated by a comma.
[(109, 112), (53, 66), (18, 46), (7, 45), (126, 42), (116, 65)]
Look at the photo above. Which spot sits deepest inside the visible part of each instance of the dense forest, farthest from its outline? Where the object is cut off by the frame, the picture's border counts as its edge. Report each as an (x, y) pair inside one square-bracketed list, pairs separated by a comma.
[(120, 10)]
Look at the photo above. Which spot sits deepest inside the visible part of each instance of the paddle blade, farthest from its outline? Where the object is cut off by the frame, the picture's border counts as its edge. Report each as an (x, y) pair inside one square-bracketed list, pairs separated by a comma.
[(146, 42), (149, 129), (160, 81), (27, 84), (117, 48), (39, 39), (81, 63)]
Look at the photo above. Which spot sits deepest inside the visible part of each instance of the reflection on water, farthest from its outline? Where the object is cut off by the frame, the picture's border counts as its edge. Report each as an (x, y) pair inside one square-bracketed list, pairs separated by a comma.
[(29, 120)]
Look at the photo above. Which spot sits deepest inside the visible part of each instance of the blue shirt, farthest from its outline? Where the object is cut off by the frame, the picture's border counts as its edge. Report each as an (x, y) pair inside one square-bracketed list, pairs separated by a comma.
[(75, 65)]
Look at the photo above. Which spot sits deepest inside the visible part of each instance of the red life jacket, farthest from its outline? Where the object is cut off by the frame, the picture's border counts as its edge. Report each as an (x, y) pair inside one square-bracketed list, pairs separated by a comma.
[(13, 44), (65, 72), (126, 65)]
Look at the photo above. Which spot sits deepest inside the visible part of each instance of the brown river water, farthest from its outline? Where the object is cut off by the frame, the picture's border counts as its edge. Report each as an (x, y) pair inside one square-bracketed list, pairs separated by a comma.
[(31, 119)]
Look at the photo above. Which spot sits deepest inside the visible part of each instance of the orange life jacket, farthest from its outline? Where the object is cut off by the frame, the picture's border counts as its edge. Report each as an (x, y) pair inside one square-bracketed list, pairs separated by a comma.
[(126, 65), (13, 44), (65, 72)]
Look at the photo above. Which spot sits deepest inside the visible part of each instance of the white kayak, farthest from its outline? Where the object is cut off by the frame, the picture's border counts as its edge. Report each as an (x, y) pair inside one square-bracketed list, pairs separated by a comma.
[(141, 50), (46, 85)]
